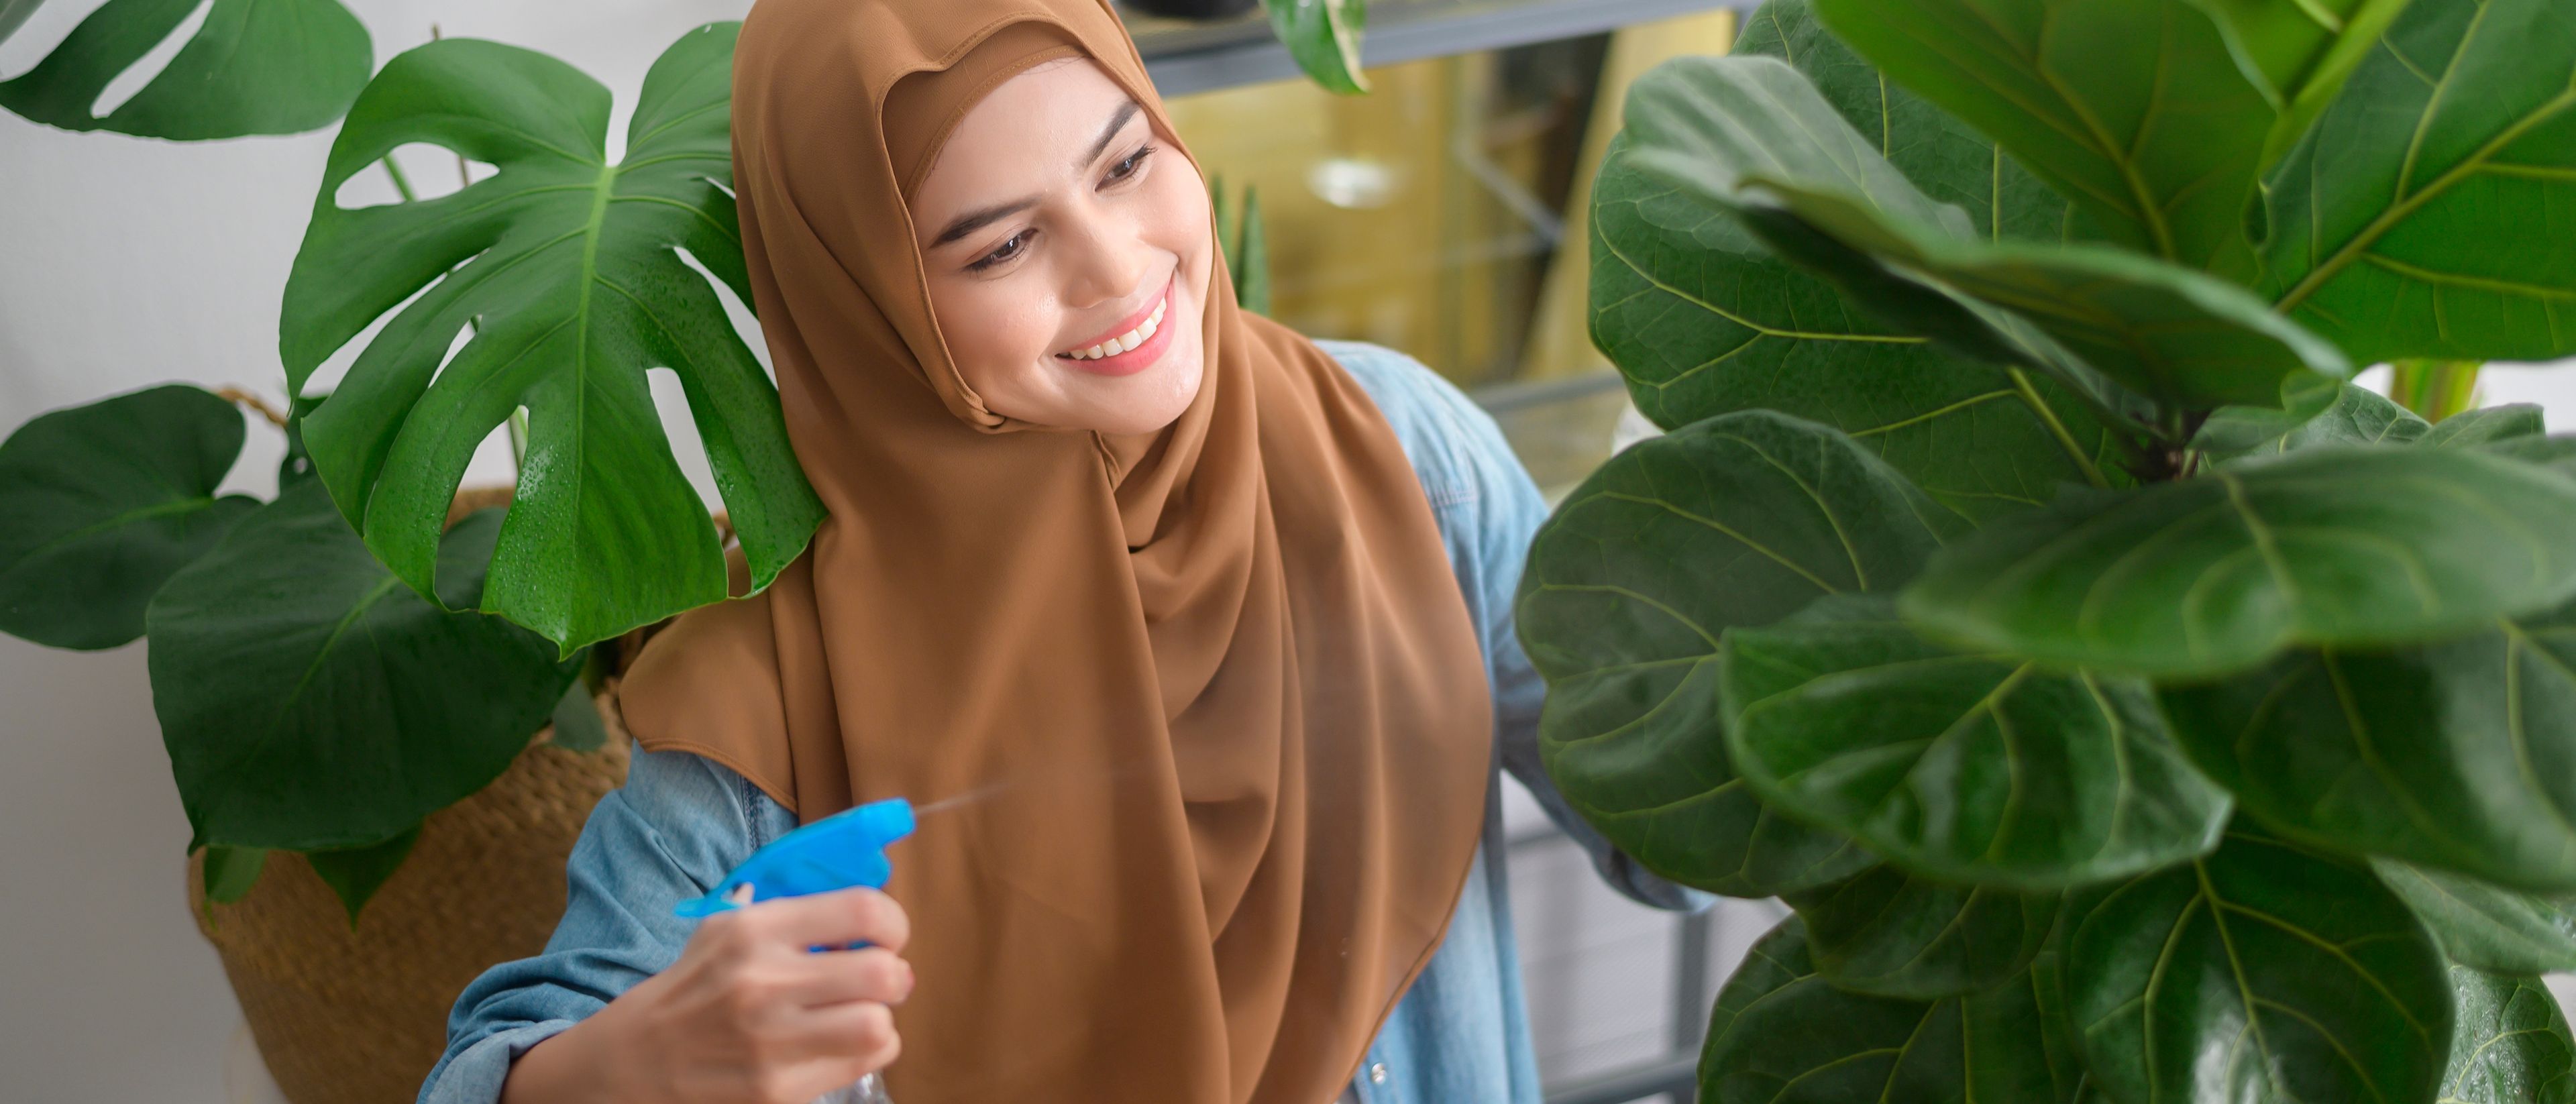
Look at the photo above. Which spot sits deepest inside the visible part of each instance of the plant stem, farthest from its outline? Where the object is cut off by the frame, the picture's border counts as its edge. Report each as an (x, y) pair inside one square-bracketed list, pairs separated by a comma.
[(2056, 428), (518, 437), (2435, 389), (402, 184), (248, 401)]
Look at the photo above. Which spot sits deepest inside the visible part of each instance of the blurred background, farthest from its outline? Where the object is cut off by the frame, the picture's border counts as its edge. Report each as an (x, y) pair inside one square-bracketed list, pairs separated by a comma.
[(1442, 215)]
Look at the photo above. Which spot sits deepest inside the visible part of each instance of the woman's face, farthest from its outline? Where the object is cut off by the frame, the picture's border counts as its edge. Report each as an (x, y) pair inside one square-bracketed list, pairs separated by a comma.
[(1055, 221)]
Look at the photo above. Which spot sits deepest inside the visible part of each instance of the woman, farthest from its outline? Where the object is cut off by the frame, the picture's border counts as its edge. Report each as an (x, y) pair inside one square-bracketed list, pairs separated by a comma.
[(1203, 626)]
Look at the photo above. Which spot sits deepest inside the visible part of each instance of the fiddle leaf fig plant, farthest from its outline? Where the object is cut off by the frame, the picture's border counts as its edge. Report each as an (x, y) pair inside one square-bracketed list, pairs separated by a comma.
[(567, 276), (2129, 707)]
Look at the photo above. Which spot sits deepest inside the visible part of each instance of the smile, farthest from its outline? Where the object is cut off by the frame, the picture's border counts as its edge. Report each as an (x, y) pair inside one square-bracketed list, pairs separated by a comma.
[(1136, 345)]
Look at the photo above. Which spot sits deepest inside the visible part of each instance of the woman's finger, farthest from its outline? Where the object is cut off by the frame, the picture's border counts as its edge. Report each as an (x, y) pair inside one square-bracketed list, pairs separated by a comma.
[(861, 1032), (839, 977), (834, 919)]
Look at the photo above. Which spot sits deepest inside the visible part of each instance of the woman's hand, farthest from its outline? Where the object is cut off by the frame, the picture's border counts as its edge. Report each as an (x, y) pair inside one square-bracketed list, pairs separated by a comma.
[(746, 1016)]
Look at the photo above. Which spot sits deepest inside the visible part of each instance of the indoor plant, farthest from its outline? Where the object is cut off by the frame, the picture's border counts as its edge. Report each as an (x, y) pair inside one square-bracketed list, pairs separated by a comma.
[(2129, 708)]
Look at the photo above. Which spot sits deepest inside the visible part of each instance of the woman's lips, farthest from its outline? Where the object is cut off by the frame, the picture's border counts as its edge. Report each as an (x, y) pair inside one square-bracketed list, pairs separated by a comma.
[(1149, 347)]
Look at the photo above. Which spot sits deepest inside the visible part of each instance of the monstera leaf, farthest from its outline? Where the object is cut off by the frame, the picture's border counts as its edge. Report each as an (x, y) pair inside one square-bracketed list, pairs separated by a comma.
[(567, 271), (310, 701), (2135, 110), (2324, 547), (1782, 1034), (2458, 754), (2424, 215), (1970, 768), (1892, 934), (99, 504), (1751, 137), (1703, 320), (1738, 520), (2261, 973), (253, 67)]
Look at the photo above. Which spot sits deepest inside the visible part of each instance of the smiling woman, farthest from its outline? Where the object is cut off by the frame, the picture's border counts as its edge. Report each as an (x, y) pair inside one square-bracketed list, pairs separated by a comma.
[(1055, 218), (1209, 618)]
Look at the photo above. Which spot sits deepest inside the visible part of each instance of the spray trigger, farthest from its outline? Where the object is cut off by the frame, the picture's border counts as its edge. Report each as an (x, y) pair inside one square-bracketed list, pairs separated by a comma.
[(837, 852)]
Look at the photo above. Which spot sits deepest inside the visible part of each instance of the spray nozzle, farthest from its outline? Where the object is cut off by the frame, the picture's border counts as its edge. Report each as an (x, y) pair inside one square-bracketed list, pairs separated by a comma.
[(839, 851)]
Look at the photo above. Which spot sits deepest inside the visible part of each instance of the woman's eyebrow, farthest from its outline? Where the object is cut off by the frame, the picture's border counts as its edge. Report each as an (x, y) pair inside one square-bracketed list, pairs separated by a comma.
[(976, 220)]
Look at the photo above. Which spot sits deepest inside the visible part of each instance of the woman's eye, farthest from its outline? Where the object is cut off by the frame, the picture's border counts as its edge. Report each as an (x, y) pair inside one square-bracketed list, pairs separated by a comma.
[(1006, 251), (1134, 163)]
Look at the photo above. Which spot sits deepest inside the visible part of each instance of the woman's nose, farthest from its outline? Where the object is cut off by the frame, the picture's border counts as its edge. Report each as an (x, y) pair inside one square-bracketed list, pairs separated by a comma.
[(1108, 262)]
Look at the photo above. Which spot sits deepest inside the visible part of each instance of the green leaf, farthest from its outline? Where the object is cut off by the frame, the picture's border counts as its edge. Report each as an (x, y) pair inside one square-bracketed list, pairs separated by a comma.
[(2135, 110), (2487, 926), (2354, 416), (231, 871), (570, 270), (1889, 933), (1752, 137), (1738, 520), (576, 720), (2329, 546), (253, 67), (1252, 266), (2263, 973), (1971, 768), (2459, 754), (1780, 1034), (2298, 53), (2410, 222), (1703, 320), (2510, 1044), (13, 13), (355, 874), (309, 701), (2487, 425), (1324, 38), (100, 503)]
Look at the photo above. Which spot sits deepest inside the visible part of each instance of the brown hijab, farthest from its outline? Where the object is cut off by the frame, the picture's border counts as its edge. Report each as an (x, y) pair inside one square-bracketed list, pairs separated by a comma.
[(1214, 689)]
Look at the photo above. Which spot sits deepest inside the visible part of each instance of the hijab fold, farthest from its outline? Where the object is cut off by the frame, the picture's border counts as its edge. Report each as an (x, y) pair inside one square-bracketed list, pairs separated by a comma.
[(1208, 699)]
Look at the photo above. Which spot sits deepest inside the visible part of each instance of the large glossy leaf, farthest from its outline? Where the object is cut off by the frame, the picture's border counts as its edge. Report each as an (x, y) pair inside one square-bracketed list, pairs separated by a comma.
[(1780, 1034), (2135, 109), (569, 268), (253, 67), (1703, 320), (1887, 932), (310, 701), (2510, 1043), (2328, 546), (2263, 974), (2425, 213), (2298, 53), (2459, 754), (1737, 520), (2486, 426), (1751, 137), (1963, 767), (2352, 416), (100, 503), (1323, 36), (355, 874), (2488, 926)]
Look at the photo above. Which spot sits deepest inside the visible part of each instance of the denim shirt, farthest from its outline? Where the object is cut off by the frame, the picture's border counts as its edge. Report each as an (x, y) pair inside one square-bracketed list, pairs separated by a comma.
[(1460, 1035)]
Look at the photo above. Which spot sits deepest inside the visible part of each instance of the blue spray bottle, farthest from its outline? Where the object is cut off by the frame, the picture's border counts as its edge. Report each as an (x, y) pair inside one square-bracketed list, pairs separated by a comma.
[(837, 852)]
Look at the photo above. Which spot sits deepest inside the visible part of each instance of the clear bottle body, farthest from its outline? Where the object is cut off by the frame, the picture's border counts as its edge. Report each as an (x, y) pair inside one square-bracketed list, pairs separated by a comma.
[(869, 1090)]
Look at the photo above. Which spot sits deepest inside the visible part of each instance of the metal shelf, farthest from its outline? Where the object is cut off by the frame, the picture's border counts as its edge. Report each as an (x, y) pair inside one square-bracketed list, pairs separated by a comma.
[(1186, 56)]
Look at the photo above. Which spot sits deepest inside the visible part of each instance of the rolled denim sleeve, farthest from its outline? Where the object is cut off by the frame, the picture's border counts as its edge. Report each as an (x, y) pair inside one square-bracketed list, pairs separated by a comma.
[(1490, 510), (669, 834)]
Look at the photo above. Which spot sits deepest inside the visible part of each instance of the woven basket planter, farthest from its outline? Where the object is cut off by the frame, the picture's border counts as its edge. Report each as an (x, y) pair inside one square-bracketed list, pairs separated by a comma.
[(357, 1014)]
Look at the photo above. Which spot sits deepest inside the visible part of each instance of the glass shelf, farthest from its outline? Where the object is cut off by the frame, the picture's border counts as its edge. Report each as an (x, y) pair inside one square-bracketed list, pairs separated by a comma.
[(1187, 56)]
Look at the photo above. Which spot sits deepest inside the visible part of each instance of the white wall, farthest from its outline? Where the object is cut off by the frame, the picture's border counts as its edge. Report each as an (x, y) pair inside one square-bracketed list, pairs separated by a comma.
[(131, 262)]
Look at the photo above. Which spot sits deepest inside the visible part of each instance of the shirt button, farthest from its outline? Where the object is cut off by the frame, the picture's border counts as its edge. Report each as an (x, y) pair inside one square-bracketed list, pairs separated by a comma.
[(1377, 1073)]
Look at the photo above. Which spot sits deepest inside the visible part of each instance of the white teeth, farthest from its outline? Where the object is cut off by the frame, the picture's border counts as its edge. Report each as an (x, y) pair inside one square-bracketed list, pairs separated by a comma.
[(1129, 340)]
